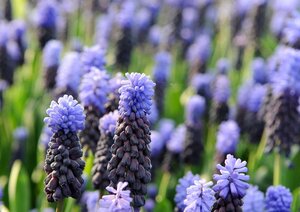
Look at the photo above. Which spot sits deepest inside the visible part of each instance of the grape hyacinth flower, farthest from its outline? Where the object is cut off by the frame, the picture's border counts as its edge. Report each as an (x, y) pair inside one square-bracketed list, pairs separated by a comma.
[(114, 96), (181, 189), (161, 74), (259, 73), (193, 145), (93, 57), (130, 160), (278, 199), (220, 96), (118, 200), (166, 128), (254, 125), (254, 200), (201, 83), (240, 42), (19, 36), (157, 147), (142, 23), (68, 75), (3, 87), (89, 201), (200, 197), (231, 185), (45, 137), (149, 205), (93, 92), (223, 66), (107, 126), (20, 135), (46, 21), (175, 146), (63, 163), (153, 116), (227, 140), (125, 42), (51, 60), (7, 63)]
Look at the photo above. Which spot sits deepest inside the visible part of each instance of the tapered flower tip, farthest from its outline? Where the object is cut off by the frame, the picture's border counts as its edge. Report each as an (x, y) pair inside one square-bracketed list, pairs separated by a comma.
[(93, 57), (46, 13), (200, 197), (94, 89), (108, 122), (20, 134), (4, 35), (126, 14), (52, 53), (259, 73), (66, 115), (244, 90), (291, 32), (18, 29), (155, 35), (221, 91), (153, 116), (136, 95), (223, 66), (200, 49), (161, 71), (181, 189), (256, 97), (278, 198), (143, 18), (254, 200), (202, 84), (176, 142), (232, 179), (119, 199), (156, 144), (194, 109), (228, 137)]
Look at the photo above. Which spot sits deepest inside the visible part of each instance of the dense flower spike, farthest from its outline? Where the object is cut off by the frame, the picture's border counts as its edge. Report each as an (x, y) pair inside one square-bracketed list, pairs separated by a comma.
[(231, 185), (130, 160), (259, 74), (254, 200), (202, 85), (220, 96), (223, 66), (157, 147), (118, 200), (68, 75), (51, 61), (63, 163), (19, 36), (278, 198), (107, 126), (165, 128), (20, 136), (193, 145), (181, 189), (114, 97), (161, 73), (200, 197), (89, 201), (93, 57), (46, 21)]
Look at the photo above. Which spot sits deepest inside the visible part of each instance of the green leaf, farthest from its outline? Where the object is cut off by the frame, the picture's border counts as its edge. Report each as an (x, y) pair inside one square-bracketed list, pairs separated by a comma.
[(19, 189), (164, 205)]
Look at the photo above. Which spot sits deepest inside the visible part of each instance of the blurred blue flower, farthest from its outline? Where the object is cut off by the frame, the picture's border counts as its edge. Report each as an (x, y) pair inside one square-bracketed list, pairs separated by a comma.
[(93, 57), (116, 82), (52, 53), (194, 110), (202, 84), (242, 97), (149, 205), (256, 97), (157, 144), (176, 142), (165, 128), (143, 19), (200, 197), (232, 179), (259, 74), (162, 68), (181, 189), (21, 134), (278, 199), (90, 199), (69, 72), (45, 136), (119, 199), (136, 95), (254, 200), (221, 92), (4, 35), (127, 13), (107, 124), (223, 66), (155, 35), (94, 89), (153, 115), (200, 50), (47, 13), (228, 137), (66, 115)]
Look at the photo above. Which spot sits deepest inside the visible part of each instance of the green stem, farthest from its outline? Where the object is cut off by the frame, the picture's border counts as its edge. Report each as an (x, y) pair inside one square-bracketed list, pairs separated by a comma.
[(277, 169), (60, 206), (163, 186)]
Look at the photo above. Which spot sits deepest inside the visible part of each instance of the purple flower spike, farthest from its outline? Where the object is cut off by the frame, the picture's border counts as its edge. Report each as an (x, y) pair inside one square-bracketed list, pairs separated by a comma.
[(278, 199), (256, 98), (136, 95), (52, 53), (200, 197), (47, 13), (166, 127), (202, 84), (94, 89), (156, 144), (232, 179), (93, 57), (222, 89), (223, 66), (254, 200), (66, 115), (119, 199), (259, 73), (176, 143), (194, 110), (107, 123), (181, 189), (228, 137), (162, 67)]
